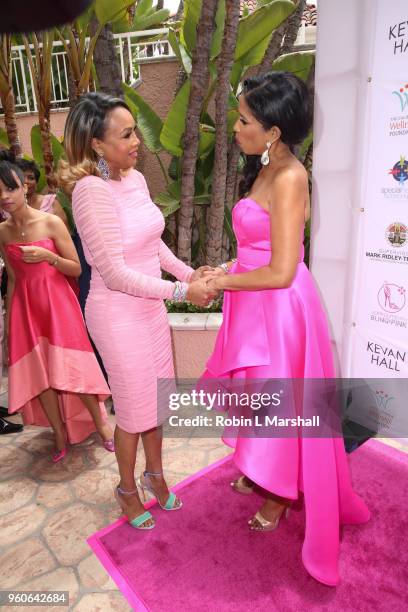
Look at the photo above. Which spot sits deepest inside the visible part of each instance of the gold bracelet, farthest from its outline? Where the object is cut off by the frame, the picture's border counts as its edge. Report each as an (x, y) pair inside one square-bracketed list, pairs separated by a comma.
[(55, 262)]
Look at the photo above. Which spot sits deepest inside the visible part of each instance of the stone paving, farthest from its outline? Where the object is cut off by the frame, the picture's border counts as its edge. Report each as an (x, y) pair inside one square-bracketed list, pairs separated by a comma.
[(48, 510)]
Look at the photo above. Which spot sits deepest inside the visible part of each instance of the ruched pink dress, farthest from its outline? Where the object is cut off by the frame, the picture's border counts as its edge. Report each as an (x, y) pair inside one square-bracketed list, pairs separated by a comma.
[(283, 334), (120, 229)]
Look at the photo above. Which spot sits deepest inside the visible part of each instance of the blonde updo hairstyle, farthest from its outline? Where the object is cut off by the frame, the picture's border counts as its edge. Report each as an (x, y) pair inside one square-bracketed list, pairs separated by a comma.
[(86, 120)]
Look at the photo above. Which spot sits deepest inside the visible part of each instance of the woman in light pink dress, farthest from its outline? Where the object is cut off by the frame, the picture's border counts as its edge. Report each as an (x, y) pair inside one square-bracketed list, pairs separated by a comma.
[(274, 326), (120, 229)]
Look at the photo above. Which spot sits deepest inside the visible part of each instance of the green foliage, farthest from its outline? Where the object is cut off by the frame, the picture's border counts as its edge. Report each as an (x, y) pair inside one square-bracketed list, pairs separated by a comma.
[(36, 148), (111, 11), (149, 124), (146, 17), (4, 141), (300, 63), (183, 307)]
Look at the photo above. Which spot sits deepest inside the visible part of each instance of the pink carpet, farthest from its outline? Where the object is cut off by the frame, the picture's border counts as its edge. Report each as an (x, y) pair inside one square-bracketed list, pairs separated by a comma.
[(204, 558)]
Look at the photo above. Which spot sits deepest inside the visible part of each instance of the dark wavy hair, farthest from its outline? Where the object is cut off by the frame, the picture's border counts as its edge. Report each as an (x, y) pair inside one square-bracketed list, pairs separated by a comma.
[(281, 99), (28, 165)]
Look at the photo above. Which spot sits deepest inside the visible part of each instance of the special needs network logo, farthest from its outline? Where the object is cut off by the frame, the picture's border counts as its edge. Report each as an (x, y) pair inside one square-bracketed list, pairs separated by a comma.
[(399, 172), (395, 237)]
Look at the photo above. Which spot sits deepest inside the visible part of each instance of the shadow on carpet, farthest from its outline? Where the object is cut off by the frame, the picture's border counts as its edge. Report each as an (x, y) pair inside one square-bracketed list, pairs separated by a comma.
[(204, 557)]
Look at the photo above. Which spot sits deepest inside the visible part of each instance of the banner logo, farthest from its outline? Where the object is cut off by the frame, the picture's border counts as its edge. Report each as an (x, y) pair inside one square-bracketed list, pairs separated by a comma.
[(391, 298), (396, 234), (402, 95), (400, 171)]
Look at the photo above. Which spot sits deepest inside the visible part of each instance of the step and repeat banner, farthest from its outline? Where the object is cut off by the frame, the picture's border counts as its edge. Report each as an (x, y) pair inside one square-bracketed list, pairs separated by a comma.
[(370, 322)]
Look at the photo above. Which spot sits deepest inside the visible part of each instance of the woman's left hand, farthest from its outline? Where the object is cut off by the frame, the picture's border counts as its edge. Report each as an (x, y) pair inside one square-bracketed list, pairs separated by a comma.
[(215, 282), (200, 272), (36, 254)]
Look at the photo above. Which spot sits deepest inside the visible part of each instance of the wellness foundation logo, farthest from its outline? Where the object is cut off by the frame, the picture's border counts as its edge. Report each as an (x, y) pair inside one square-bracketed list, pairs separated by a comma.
[(398, 125)]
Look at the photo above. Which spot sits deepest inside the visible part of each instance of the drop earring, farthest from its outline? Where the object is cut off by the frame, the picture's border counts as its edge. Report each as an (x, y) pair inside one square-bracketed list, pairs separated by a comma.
[(265, 155), (103, 168)]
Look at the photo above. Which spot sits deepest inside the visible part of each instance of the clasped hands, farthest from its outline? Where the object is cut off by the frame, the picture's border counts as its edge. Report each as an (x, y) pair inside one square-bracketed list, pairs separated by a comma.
[(204, 285)]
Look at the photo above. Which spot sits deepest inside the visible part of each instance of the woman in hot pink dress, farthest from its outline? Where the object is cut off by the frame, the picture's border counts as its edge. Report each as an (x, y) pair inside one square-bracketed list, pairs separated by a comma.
[(54, 378), (120, 230), (274, 326)]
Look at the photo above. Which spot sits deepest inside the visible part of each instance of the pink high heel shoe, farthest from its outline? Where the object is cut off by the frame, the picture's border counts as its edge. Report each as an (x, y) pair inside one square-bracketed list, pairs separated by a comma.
[(109, 445), (58, 455)]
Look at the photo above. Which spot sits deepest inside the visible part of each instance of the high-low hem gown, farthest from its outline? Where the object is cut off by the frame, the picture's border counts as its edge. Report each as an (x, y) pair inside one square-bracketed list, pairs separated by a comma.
[(49, 346), (120, 229), (283, 334)]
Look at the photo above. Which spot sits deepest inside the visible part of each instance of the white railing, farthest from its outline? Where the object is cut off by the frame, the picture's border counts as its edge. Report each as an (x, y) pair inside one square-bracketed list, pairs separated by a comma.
[(132, 52)]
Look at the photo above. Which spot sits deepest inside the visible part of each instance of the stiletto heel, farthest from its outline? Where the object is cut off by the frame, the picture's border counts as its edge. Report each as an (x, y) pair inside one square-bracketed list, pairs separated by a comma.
[(172, 503), (139, 521), (58, 455), (266, 525)]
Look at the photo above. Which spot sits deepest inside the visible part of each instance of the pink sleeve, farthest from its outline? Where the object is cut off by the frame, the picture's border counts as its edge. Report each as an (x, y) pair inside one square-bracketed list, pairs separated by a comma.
[(170, 263), (98, 227)]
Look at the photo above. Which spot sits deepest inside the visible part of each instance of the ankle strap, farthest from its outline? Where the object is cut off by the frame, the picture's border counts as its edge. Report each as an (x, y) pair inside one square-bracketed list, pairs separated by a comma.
[(145, 473), (123, 492)]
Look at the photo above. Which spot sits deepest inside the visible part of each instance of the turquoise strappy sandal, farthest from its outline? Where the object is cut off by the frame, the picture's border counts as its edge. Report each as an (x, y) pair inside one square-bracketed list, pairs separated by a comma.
[(139, 521), (172, 503)]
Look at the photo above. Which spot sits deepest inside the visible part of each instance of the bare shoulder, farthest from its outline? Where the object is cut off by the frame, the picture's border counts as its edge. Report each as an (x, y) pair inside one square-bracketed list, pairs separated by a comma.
[(294, 175), (54, 224)]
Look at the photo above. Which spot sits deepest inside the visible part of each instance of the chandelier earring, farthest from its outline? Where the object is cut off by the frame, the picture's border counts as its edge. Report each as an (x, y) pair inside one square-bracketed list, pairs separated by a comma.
[(265, 155), (103, 168)]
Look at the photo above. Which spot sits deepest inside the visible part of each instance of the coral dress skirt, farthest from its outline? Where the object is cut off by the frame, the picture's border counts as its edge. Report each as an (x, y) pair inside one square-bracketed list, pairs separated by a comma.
[(49, 346)]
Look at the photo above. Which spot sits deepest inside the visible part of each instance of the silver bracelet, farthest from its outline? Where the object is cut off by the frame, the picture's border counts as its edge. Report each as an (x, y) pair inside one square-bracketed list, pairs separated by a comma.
[(224, 266), (180, 291)]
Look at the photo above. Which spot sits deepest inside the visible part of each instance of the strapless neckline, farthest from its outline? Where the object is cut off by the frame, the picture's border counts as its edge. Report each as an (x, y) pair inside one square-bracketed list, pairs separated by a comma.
[(30, 242), (256, 204)]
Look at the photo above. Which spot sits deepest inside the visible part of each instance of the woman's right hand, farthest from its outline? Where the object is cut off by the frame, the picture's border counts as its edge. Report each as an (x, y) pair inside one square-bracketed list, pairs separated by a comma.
[(200, 294)]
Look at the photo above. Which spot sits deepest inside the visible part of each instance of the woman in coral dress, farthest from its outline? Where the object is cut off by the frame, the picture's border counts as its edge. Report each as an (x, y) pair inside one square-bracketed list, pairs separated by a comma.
[(274, 326), (120, 230), (54, 378)]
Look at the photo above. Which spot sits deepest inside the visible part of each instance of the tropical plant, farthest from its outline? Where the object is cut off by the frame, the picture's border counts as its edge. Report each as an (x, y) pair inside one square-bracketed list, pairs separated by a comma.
[(79, 41), (40, 62), (7, 94), (201, 232)]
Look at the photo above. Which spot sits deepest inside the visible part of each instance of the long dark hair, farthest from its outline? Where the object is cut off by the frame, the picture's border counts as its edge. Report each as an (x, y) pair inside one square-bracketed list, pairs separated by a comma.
[(281, 99)]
